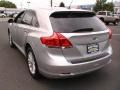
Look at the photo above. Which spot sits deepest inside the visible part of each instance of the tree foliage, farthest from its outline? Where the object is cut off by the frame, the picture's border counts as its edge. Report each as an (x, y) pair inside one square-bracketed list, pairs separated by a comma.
[(109, 6), (7, 4), (62, 4), (102, 5)]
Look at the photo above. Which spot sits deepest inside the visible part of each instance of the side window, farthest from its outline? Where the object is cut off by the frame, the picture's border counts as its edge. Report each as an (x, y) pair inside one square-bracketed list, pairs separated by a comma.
[(109, 13), (27, 19), (19, 18), (101, 13), (34, 20)]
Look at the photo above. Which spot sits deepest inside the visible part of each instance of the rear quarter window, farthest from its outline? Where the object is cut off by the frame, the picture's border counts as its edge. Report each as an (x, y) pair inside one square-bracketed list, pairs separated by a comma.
[(69, 22)]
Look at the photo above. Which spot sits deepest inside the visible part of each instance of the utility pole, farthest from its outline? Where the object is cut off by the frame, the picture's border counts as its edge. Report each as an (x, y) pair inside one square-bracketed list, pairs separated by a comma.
[(112, 1), (70, 4), (21, 5), (51, 3)]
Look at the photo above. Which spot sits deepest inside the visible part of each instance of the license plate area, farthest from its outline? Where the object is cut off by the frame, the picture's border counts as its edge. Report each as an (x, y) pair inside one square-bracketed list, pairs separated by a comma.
[(92, 48)]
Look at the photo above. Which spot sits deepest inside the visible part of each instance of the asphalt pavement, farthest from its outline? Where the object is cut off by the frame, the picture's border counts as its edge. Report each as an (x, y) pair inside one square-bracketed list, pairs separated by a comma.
[(14, 73)]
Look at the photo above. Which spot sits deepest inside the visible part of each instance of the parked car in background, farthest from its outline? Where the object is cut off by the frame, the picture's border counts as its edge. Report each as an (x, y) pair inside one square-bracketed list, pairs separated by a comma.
[(61, 42), (13, 15), (2, 15), (9, 13), (108, 17)]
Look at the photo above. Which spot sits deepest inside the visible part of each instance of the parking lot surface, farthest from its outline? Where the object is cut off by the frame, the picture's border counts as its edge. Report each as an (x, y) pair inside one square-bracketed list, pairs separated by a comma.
[(14, 73)]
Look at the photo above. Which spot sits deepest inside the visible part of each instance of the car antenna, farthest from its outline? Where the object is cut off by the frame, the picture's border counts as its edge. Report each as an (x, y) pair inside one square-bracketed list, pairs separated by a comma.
[(70, 5)]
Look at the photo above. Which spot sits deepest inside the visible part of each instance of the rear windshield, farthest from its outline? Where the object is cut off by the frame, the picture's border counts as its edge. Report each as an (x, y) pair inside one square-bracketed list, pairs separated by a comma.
[(68, 22)]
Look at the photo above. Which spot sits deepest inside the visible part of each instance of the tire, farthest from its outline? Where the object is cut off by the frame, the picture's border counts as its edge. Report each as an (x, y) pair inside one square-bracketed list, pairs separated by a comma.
[(10, 40), (115, 22), (31, 63), (107, 23), (3, 16)]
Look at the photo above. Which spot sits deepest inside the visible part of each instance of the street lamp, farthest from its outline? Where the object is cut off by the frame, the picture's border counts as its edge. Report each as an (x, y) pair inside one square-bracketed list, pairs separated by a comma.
[(28, 3), (21, 5)]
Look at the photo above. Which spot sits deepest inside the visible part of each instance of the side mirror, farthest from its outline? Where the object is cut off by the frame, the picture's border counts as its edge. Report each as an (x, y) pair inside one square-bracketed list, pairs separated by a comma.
[(10, 21)]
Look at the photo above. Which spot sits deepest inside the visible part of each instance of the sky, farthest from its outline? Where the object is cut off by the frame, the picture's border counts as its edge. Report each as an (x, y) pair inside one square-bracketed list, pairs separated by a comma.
[(45, 3)]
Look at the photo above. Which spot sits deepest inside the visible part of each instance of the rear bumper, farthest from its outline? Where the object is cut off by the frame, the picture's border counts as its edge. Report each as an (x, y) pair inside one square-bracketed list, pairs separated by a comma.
[(60, 69), (76, 69)]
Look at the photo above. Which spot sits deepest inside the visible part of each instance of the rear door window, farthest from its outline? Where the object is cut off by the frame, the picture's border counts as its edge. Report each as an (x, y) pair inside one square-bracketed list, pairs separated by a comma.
[(69, 22), (27, 19), (34, 19), (109, 13)]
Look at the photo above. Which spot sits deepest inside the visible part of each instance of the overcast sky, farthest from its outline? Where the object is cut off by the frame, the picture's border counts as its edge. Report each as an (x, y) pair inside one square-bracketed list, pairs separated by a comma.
[(44, 3)]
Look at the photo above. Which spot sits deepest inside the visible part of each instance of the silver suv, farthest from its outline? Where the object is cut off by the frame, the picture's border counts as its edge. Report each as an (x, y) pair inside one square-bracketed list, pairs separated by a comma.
[(61, 42)]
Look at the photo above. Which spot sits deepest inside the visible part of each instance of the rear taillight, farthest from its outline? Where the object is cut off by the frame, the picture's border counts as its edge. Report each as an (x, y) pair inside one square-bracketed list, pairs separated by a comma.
[(57, 40), (110, 33)]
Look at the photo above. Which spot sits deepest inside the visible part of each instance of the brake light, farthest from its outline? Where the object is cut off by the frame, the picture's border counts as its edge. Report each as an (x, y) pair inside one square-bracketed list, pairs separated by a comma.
[(56, 40), (110, 33)]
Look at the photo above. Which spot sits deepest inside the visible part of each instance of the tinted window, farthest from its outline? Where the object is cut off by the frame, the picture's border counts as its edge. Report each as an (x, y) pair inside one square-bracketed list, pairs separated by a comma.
[(27, 19), (109, 13), (1, 11), (101, 13), (80, 22)]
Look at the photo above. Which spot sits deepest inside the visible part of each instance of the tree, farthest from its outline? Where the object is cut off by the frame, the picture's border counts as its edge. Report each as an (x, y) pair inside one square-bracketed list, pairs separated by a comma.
[(102, 5), (7, 4), (109, 6), (62, 4), (99, 5)]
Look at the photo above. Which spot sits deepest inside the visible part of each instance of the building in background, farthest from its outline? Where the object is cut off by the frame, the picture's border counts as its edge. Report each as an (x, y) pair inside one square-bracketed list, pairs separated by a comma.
[(90, 7), (87, 7), (117, 7)]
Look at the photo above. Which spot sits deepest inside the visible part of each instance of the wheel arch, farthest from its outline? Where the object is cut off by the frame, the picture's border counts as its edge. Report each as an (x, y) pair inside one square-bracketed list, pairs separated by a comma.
[(27, 45), (8, 30)]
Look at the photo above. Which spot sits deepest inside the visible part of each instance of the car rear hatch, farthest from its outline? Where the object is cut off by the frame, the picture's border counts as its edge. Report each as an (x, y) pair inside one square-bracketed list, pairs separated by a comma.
[(87, 34)]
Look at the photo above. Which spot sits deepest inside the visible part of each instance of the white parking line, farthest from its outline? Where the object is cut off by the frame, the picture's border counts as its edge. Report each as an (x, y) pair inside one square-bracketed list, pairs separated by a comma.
[(116, 34), (4, 19)]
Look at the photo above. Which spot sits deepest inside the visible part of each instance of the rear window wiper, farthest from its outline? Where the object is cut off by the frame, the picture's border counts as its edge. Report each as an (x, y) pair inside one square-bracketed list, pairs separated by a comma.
[(84, 30)]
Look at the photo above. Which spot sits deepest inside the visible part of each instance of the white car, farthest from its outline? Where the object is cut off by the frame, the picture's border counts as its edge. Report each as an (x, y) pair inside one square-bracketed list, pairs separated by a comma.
[(108, 17), (2, 15)]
